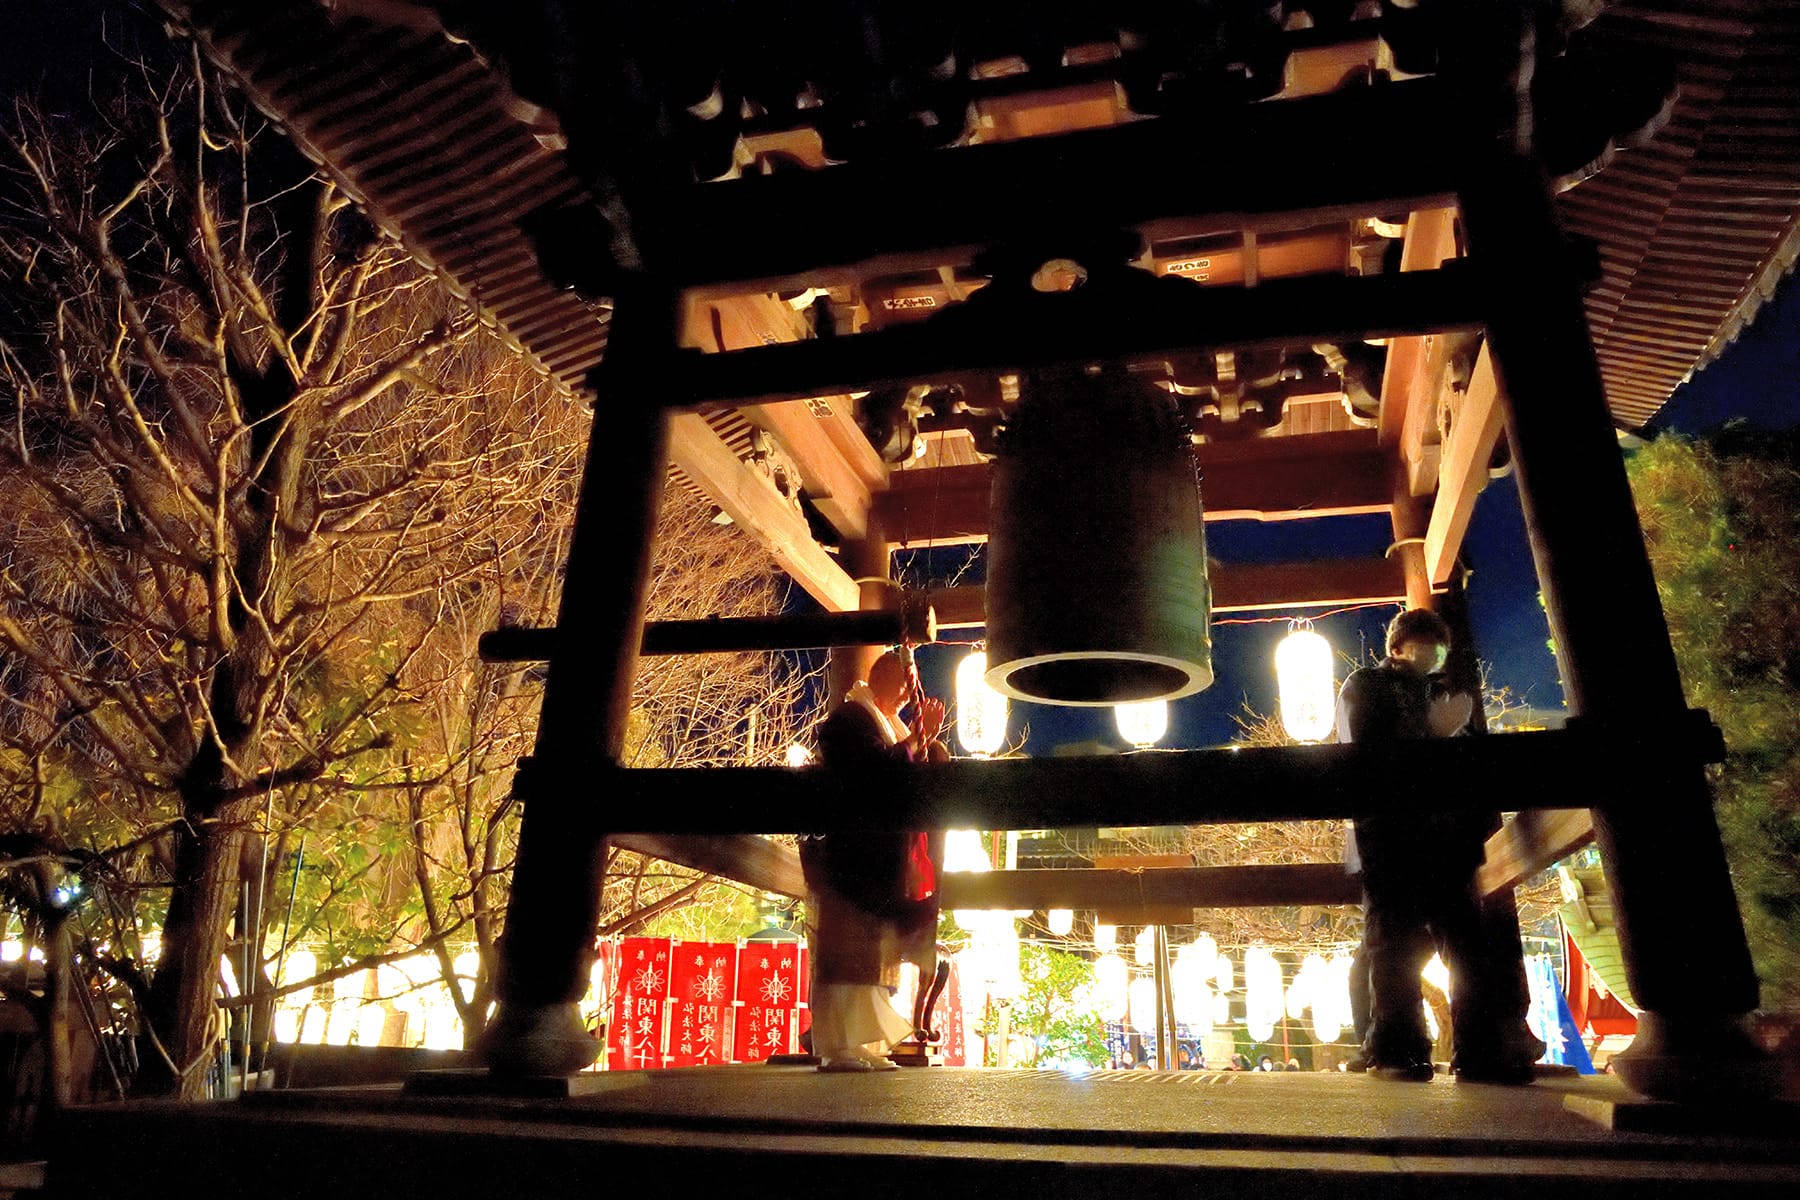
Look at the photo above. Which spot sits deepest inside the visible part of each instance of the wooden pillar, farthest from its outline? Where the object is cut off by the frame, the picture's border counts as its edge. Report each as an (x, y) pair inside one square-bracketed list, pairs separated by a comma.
[(1617, 665), (868, 562), (548, 949)]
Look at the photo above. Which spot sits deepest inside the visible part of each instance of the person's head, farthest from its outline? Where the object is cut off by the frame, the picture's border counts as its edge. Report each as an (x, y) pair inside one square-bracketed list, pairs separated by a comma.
[(890, 682), (1419, 639)]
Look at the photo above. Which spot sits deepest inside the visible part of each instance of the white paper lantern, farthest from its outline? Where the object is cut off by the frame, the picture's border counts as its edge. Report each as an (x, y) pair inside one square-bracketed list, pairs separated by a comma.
[(1223, 975), (1331, 999), (1308, 691), (1143, 1004), (1111, 977), (1262, 992), (1142, 724), (1144, 947), (1192, 967), (1105, 936), (980, 710), (1061, 921)]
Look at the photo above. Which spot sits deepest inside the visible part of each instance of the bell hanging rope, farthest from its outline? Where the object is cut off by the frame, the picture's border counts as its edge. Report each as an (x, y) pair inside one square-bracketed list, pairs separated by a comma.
[(1097, 589)]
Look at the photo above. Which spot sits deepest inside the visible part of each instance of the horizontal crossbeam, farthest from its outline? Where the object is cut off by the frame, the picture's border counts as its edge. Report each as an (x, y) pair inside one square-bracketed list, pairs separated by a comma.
[(1499, 773), (1193, 887), (722, 635), (1170, 320), (1308, 160)]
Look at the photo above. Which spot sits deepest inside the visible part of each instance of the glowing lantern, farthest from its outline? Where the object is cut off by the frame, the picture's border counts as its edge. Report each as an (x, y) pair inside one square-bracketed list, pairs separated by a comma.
[(1193, 966), (1331, 1000), (1206, 950), (1143, 1003), (1224, 973), (980, 710), (798, 754), (1144, 947), (1061, 920), (1308, 691), (1262, 992), (1105, 936), (1142, 724), (1111, 977)]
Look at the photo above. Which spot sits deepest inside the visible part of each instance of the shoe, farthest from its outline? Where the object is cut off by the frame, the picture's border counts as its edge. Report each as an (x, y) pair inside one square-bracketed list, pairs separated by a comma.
[(855, 1063), (1509, 1070), (1404, 1071), (1512, 1062)]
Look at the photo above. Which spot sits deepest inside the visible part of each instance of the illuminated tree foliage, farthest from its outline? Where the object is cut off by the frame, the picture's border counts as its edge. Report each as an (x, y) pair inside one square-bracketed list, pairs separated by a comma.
[(1721, 520), (266, 482)]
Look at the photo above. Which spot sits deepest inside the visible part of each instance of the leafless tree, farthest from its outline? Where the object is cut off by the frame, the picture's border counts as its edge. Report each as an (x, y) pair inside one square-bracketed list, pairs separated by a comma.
[(248, 456)]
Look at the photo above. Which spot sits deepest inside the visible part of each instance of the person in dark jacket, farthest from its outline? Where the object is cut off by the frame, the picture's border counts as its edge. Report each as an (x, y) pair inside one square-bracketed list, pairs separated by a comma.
[(1419, 886), (872, 894)]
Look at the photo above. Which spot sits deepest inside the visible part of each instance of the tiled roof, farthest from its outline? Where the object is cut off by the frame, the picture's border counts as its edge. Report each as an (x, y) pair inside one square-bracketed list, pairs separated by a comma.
[(435, 138)]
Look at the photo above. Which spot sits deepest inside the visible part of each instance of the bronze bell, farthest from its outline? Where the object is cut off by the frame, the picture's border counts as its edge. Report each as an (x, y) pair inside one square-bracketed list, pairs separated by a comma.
[(1096, 583)]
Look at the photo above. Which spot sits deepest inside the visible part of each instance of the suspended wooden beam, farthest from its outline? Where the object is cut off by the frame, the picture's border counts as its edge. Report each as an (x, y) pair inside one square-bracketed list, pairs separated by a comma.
[(1149, 326), (1479, 420), (1497, 773), (913, 622), (1526, 845), (1264, 479), (1192, 887), (781, 231), (745, 858), (751, 501)]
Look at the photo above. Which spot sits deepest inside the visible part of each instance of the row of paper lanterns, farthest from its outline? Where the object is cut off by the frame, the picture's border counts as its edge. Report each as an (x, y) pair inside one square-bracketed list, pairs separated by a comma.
[(1201, 980), (1303, 676)]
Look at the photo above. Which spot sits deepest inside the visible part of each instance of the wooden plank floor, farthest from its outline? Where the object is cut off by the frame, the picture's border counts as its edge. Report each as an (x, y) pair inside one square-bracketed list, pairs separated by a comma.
[(789, 1131)]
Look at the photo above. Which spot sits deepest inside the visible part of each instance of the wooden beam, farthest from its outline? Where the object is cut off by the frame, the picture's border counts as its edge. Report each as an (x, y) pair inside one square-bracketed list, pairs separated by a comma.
[(838, 468), (910, 622), (774, 232), (1430, 241), (752, 502), (1190, 787), (1191, 887), (1236, 587), (1463, 473), (746, 858), (1069, 329), (1531, 841), (1264, 479)]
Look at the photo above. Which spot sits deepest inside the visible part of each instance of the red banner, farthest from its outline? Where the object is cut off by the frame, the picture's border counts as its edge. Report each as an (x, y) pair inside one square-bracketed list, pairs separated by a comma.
[(701, 976), (769, 981), (949, 1018), (634, 1037)]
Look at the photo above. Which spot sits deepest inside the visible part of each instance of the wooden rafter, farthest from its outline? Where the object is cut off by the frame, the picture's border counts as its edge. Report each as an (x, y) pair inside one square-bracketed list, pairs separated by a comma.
[(749, 499), (1463, 469), (838, 468)]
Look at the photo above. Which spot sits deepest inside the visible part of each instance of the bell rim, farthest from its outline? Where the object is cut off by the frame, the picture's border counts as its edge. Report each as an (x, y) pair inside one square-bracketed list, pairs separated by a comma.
[(1199, 675)]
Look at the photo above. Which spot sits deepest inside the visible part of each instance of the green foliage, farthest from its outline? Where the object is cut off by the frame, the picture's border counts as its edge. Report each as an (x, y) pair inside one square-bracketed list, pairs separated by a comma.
[(1056, 1007), (1722, 524)]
